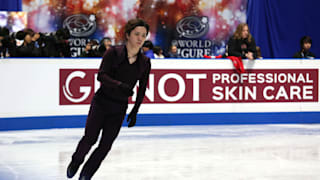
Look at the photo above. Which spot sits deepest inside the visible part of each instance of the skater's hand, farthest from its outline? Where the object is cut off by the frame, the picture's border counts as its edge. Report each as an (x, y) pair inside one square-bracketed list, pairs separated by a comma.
[(132, 117), (125, 88)]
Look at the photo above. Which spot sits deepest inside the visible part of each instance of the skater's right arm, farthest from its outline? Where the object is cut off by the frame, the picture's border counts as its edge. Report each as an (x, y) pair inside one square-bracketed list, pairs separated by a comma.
[(105, 69)]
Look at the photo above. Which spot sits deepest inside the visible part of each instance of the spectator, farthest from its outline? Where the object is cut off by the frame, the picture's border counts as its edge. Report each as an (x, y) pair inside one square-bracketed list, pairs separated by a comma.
[(18, 39), (27, 43), (5, 41), (173, 52), (259, 56), (305, 44), (35, 38), (242, 44), (105, 44), (158, 53), (61, 43), (91, 49), (55, 44), (27, 48), (148, 49)]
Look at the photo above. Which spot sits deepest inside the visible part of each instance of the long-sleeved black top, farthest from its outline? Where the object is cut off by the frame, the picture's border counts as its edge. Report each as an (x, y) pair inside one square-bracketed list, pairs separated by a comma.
[(115, 68), (239, 47), (304, 55)]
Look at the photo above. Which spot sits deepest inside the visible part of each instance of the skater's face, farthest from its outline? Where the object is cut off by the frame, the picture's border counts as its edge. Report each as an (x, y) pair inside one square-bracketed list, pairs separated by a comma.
[(137, 36)]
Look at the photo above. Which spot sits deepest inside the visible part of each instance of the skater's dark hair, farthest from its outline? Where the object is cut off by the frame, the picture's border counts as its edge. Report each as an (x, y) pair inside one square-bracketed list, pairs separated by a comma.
[(133, 23)]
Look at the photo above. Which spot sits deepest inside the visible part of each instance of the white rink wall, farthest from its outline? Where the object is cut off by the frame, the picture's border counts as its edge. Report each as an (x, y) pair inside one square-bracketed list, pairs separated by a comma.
[(64, 87)]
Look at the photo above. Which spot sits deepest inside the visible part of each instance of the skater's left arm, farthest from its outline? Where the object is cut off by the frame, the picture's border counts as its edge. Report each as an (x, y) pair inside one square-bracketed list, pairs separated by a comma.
[(141, 92), (142, 87)]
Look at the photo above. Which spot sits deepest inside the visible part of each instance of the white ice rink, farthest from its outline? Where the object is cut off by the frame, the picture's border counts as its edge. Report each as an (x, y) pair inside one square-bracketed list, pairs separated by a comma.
[(246, 152)]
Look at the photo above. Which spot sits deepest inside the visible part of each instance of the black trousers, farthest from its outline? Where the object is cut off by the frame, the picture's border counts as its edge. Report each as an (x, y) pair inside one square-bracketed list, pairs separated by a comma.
[(105, 115)]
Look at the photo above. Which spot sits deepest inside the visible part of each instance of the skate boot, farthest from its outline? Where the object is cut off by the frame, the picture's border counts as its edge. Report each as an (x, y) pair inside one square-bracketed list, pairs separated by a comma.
[(72, 169)]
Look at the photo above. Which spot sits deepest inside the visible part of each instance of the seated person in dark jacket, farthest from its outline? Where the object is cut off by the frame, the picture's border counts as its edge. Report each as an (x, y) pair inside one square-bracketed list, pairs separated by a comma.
[(305, 53), (242, 44)]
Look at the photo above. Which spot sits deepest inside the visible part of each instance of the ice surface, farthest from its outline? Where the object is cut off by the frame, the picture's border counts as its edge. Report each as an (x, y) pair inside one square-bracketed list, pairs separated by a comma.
[(245, 152)]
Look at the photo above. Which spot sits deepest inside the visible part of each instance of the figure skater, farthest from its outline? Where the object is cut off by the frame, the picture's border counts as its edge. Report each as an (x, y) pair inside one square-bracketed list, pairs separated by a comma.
[(121, 67)]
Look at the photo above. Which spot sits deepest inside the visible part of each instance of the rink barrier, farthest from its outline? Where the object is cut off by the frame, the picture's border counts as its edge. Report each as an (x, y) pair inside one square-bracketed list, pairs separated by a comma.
[(49, 122), (56, 93)]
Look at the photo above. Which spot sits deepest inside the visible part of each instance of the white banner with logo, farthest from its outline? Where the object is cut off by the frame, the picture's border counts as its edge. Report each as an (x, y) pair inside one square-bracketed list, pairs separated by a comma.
[(58, 87)]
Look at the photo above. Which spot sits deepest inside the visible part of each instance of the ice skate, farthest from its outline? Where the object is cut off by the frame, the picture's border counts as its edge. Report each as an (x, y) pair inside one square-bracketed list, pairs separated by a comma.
[(72, 169)]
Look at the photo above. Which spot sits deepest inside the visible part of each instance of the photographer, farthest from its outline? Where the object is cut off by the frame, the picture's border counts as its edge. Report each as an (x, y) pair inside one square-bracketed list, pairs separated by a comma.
[(25, 44), (91, 49), (62, 44), (55, 44), (6, 43)]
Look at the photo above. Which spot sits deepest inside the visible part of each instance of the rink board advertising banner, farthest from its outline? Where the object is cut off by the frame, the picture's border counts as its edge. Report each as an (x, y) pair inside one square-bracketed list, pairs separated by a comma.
[(77, 86)]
